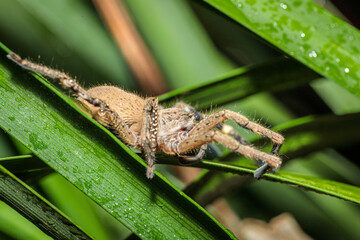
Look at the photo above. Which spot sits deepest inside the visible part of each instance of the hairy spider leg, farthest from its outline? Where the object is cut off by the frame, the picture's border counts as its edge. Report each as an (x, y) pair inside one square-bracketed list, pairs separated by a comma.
[(105, 116), (215, 119), (112, 121), (193, 159), (227, 129), (264, 166), (65, 80), (185, 159), (200, 138), (149, 134)]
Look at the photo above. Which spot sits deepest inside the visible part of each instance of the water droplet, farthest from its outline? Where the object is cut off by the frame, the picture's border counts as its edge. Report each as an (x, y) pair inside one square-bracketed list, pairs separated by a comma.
[(283, 5), (313, 54), (37, 143), (347, 70), (302, 35)]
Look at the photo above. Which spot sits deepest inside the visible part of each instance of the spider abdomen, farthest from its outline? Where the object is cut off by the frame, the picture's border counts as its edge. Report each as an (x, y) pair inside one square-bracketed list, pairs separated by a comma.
[(128, 106)]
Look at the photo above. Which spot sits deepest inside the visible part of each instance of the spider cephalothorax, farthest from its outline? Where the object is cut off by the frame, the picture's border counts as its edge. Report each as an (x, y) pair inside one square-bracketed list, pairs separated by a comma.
[(179, 130)]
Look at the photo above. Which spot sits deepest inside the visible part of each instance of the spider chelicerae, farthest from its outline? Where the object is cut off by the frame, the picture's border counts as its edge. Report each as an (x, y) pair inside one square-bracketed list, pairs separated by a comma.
[(144, 124)]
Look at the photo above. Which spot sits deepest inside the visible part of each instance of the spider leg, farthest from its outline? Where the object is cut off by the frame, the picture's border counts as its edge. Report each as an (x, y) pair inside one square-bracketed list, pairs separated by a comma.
[(105, 116), (193, 159), (261, 170), (216, 120), (225, 128), (149, 134), (65, 80), (112, 121), (264, 167), (196, 140)]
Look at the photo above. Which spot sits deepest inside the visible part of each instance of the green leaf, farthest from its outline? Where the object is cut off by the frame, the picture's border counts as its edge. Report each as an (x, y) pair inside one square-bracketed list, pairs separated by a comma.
[(32, 206), (311, 134), (242, 82), (324, 186), (23, 163), (95, 161), (15, 226), (306, 32)]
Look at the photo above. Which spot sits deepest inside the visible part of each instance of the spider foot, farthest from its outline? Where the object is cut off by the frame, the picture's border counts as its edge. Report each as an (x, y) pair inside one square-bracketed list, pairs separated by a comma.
[(263, 168), (260, 171)]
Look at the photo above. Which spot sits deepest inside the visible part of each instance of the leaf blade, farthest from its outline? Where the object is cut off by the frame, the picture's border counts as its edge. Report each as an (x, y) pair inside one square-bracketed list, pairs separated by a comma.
[(330, 47), (35, 208), (320, 185), (240, 83)]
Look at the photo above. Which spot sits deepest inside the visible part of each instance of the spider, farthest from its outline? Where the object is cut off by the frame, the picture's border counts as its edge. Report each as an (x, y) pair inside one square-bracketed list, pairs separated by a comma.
[(179, 130)]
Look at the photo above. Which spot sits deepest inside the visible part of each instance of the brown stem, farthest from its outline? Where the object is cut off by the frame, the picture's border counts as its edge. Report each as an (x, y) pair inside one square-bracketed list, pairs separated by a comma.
[(128, 39)]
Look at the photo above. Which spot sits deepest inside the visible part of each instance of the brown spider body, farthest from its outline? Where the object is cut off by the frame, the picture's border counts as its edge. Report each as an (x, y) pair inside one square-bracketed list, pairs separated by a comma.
[(174, 123), (129, 107), (179, 130)]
